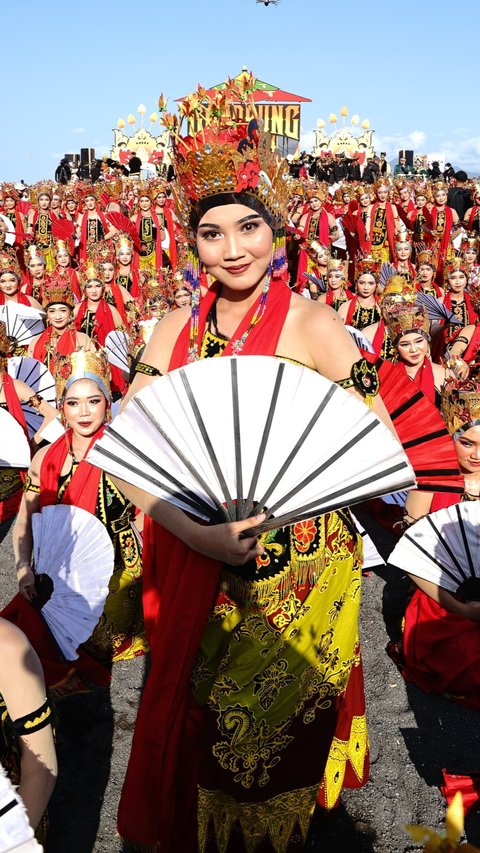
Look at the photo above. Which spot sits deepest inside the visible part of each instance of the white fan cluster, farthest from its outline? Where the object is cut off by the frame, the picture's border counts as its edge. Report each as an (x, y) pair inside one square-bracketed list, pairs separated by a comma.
[(22, 322), (225, 438), (117, 345), (14, 447), (39, 379), (73, 548), (444, 548)]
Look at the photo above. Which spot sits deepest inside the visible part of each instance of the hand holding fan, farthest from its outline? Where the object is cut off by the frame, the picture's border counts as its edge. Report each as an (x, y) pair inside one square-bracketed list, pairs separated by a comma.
[(444, 548), (40, 380), (215, 446), (73, 549)]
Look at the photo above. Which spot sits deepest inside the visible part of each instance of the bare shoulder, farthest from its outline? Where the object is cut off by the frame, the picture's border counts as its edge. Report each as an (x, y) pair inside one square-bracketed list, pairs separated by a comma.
[(166, 332)]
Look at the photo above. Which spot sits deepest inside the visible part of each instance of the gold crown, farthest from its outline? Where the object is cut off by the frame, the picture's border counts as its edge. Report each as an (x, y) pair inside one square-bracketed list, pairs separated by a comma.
[(102, 252), (460, 405), (90, 271), (9, 263), (337, 265), (317, 191), (403, 316), (32, 253), (457, 264), (9, 191), (438, 186), (363, 189), (86, 188), (82, 365), (227, 156), (297, 188), (367, 265), (396, 288), (427, 256), (58, 292), (154, 288), (470, 242), (382, 182), (146, 188), (62, 246), (41, 188), (122, 241)]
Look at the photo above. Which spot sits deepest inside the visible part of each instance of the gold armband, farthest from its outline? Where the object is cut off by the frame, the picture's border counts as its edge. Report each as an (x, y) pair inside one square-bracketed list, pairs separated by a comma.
[(28, 486), (364, 378), (35, 400)]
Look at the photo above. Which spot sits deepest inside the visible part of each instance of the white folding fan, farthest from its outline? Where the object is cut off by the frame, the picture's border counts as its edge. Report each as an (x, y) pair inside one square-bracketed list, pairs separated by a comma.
[(73, 549), (117, 345), (361, 340), (444, 548), (16, 834), (22, 322), (371, 555), (14, 448), (39, 379), (227, 438)]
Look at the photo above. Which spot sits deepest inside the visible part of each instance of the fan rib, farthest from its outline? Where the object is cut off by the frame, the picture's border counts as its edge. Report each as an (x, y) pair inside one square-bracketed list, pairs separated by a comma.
[(265, 436), (465, 543), (325, 465), (288, 461), (208, 446), (237, 439), (432, 558), (180, 455), (446, 547)]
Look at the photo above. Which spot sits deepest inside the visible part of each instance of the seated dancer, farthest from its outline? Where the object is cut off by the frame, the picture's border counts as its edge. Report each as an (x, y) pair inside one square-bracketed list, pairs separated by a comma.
[(471, 219), (440, 650), (126, 276), (60, 474), (96, 318), (253, 763), (14, 392), (363, 310), (27, 749), (408, 328), (402, 262), (63, 267), (426, 268), (337, 293), (316, 225), (60, 337), (10, 283), (40, 221), (37, 276)]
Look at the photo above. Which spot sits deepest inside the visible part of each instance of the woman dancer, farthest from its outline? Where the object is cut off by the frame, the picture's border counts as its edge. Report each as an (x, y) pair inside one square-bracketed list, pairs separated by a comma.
[(60, 337), (246, 755), (363, 310)]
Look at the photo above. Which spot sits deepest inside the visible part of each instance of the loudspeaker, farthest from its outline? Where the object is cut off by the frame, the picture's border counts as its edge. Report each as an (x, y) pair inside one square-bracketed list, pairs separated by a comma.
[(408, 157), (87, 156)]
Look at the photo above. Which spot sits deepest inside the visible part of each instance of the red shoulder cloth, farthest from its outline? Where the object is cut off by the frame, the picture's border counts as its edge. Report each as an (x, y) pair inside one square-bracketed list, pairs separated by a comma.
[(82, 490), (66, 344), (13, 403), (158, 802)]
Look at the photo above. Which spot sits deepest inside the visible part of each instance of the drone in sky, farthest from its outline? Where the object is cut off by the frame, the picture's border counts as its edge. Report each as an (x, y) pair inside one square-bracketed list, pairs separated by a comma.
[(268, 2)]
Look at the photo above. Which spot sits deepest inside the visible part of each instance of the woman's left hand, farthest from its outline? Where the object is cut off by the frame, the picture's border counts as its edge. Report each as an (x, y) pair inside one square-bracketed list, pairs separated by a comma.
[(26, 582)]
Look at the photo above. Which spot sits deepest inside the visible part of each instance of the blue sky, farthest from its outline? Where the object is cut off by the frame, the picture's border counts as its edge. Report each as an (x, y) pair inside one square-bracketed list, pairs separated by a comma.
[(410, 68)]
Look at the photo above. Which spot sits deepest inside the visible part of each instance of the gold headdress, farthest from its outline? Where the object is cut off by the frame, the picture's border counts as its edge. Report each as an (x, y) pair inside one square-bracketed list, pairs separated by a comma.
[(41, 188), (363, 189), (82, 365), (470, 243), (404, 316), (62, 246), (9, 263), (103, 252), (457, 264), (397, 289), (403, 238), (33, 253), (317, 191), (460, 405), (90, 271), (86, 189), (297, 188), (122, 241), (146, 188), (57, 292), (367, 265), (439, 185), (382, 182), (9, 191), (427, 256), (335, 264)]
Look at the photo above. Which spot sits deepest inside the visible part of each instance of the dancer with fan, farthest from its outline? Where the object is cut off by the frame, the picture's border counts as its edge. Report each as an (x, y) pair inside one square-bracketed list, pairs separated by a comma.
[(60, 474), (60, 336), (440, 650), (261, 628), (13, 393), (10, 283)]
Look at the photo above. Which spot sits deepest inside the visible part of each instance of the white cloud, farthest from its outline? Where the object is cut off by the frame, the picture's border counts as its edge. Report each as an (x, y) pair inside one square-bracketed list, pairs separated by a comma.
[(79, 130), (307, 140)]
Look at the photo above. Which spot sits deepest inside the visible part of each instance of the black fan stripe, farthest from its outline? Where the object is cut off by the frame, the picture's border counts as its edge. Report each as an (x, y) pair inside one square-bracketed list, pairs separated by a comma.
[(432, 557), (266, 434), (465, 541), (421, 439), (456, 562), (437, 472), (430, 487), (237, 439), (325, 465), (288, 461), (406, 406), (208, 445), (179, 453)]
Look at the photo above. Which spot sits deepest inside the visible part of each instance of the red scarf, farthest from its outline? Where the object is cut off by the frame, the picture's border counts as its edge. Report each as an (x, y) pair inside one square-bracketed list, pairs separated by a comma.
[(172, 246), (118, 299), (424, 379), (13, 403), (390, 223), (331, 296), (473, 214), (82, 248), (21, 299), (104, 322), (322, 230), (82, 490), (472, 314), (66, 344), (445, 237), (471, 351), (158, 803), (378, 339)]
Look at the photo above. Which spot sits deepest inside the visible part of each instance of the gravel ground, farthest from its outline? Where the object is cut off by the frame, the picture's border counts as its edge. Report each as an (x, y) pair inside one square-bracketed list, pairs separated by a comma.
[(413, 736)]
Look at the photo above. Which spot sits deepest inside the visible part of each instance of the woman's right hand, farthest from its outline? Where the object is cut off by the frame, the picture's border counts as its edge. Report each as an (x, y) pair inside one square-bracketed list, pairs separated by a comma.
[(26, 582), (222, 541)]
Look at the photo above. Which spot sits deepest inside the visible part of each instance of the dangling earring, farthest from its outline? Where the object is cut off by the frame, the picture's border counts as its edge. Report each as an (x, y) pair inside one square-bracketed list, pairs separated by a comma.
[(108, 414)]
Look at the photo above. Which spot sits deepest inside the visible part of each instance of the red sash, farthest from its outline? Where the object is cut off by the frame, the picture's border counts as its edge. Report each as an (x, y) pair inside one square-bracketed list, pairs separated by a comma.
[(390, 223), (13, 403), (22, 299), (473, 214), (424, 379), (66, 344), (118, 299), (82, 490), (104, 322), (378, 339), (158, 803), (470, 353), (445, 237), (82, 248), (172, 246)]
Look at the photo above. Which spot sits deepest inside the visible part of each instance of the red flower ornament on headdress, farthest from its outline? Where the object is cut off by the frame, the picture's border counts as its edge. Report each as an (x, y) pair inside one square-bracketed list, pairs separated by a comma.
[(248, 175)]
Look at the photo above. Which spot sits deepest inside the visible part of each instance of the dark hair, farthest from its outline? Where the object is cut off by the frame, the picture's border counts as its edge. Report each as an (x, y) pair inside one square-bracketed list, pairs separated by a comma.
[(461, 176), (220, 199)]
